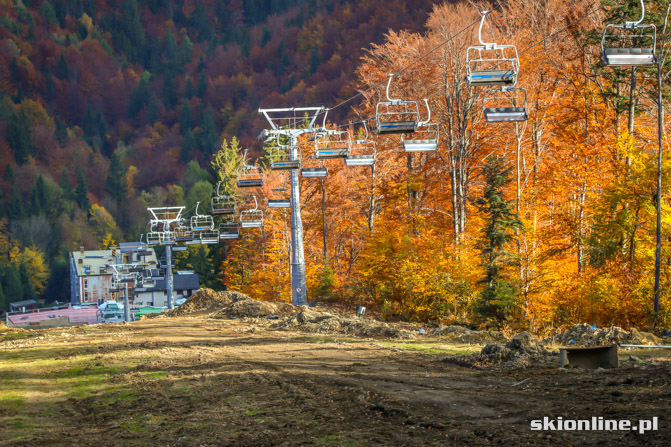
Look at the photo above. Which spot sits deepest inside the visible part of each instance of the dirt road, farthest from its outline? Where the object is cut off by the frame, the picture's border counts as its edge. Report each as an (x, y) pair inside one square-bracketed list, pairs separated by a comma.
[(200, 381)]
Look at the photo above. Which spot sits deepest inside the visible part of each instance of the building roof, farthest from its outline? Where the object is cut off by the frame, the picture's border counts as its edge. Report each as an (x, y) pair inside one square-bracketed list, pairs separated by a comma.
[(93, 262), (87, 315), (98, 262), (23, 303)]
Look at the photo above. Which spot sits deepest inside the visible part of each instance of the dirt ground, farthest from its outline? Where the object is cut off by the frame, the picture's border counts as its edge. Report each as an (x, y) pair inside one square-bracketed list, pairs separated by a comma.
[(203, 380)]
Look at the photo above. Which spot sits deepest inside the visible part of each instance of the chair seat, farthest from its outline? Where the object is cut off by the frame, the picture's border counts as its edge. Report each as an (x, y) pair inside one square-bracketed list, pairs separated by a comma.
[(628, 51)]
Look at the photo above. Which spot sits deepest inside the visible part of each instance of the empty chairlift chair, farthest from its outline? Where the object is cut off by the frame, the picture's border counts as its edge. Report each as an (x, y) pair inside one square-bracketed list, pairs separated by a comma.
[(284, 156), (183, 233), (362, 153), (425, 137), (279, 199), (491, 64), (505, 105), (330, 144), (229, 230), (222, 204), (313, 168), (250, 176), (201, 222), (253, 217), (630, 44), (209, 237), (396, 115)]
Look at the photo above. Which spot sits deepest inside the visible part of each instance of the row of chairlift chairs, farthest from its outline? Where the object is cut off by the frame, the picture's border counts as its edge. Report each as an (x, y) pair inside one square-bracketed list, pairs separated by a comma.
[(490, 65), (497, 66)]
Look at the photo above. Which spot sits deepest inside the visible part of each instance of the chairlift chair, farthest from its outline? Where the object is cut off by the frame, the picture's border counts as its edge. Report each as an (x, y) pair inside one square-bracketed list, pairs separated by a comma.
[(283, 202), (425, 138), (315, 171), (154, 237), (201, 222), (505, 105), (222, 204), (396, 115), (630, 44), (253, 217), (362, 153), (491, 64), (209, 237), (183, 234), (250, 176), (168, 238), (281, 156), (331, 144), (229, 230)]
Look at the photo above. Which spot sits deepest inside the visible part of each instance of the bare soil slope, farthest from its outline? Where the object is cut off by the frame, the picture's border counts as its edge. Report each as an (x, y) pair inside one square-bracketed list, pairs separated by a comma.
[(207, 379)]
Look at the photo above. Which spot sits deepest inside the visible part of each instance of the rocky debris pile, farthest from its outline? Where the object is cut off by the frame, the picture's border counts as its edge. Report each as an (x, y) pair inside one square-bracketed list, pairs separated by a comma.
[(311, 320), (460, 334), (585, 335), (207, 300), (243, 306), (521, 351)]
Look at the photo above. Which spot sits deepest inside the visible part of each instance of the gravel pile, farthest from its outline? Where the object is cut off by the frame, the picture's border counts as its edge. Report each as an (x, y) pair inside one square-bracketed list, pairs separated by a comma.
[(584, 335), (521, 351)]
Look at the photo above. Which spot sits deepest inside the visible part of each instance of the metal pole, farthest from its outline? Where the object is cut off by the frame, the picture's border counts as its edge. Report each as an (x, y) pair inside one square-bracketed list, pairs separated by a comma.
[(298, 283), (658, 233), (168, 275), (126, 305)]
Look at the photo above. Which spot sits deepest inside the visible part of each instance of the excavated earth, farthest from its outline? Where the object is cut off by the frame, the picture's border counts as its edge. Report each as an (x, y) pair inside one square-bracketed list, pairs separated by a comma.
[(225, 370)]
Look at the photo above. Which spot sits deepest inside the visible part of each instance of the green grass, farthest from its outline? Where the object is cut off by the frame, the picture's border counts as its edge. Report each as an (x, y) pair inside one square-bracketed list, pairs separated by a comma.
[(323, 339), (338, 440), (37, 381), (431, 347)]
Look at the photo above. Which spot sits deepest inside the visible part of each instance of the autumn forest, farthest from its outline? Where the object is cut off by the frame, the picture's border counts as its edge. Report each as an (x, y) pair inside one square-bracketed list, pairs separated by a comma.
[(110, 107)]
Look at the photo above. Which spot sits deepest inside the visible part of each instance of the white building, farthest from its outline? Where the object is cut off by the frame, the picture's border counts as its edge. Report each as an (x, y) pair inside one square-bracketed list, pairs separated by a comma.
[(91, 272)]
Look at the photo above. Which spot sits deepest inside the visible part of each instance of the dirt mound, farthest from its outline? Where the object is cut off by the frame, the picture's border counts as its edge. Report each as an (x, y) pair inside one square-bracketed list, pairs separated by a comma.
[(460, 334), (309, 320), (207, 300), (585, 335), (522, 351), (249, 308)]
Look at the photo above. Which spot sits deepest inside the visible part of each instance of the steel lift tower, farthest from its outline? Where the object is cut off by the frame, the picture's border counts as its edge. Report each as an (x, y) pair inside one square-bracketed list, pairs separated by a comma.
[(292, 123)]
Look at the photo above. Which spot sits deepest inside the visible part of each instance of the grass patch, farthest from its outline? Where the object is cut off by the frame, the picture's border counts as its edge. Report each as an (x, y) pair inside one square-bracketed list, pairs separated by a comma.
[(323, 339), (338, 440), (431, 347)]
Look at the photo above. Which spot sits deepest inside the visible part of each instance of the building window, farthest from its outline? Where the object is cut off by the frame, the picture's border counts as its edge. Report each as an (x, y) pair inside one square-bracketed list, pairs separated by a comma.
[(86, 296), (86, 283)]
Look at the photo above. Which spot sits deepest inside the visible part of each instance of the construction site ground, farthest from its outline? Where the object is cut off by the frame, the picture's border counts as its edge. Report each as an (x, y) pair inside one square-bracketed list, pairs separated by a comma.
[(203, 379)]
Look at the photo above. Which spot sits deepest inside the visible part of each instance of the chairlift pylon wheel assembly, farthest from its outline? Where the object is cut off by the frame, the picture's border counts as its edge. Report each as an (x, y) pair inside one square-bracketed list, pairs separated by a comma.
[(396, 115), (505, 105), (491, 64), (630, 44)]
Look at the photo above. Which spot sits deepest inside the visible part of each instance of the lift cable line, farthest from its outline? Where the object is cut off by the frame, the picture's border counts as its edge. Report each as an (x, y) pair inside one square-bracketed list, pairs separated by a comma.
[(287, 124)]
